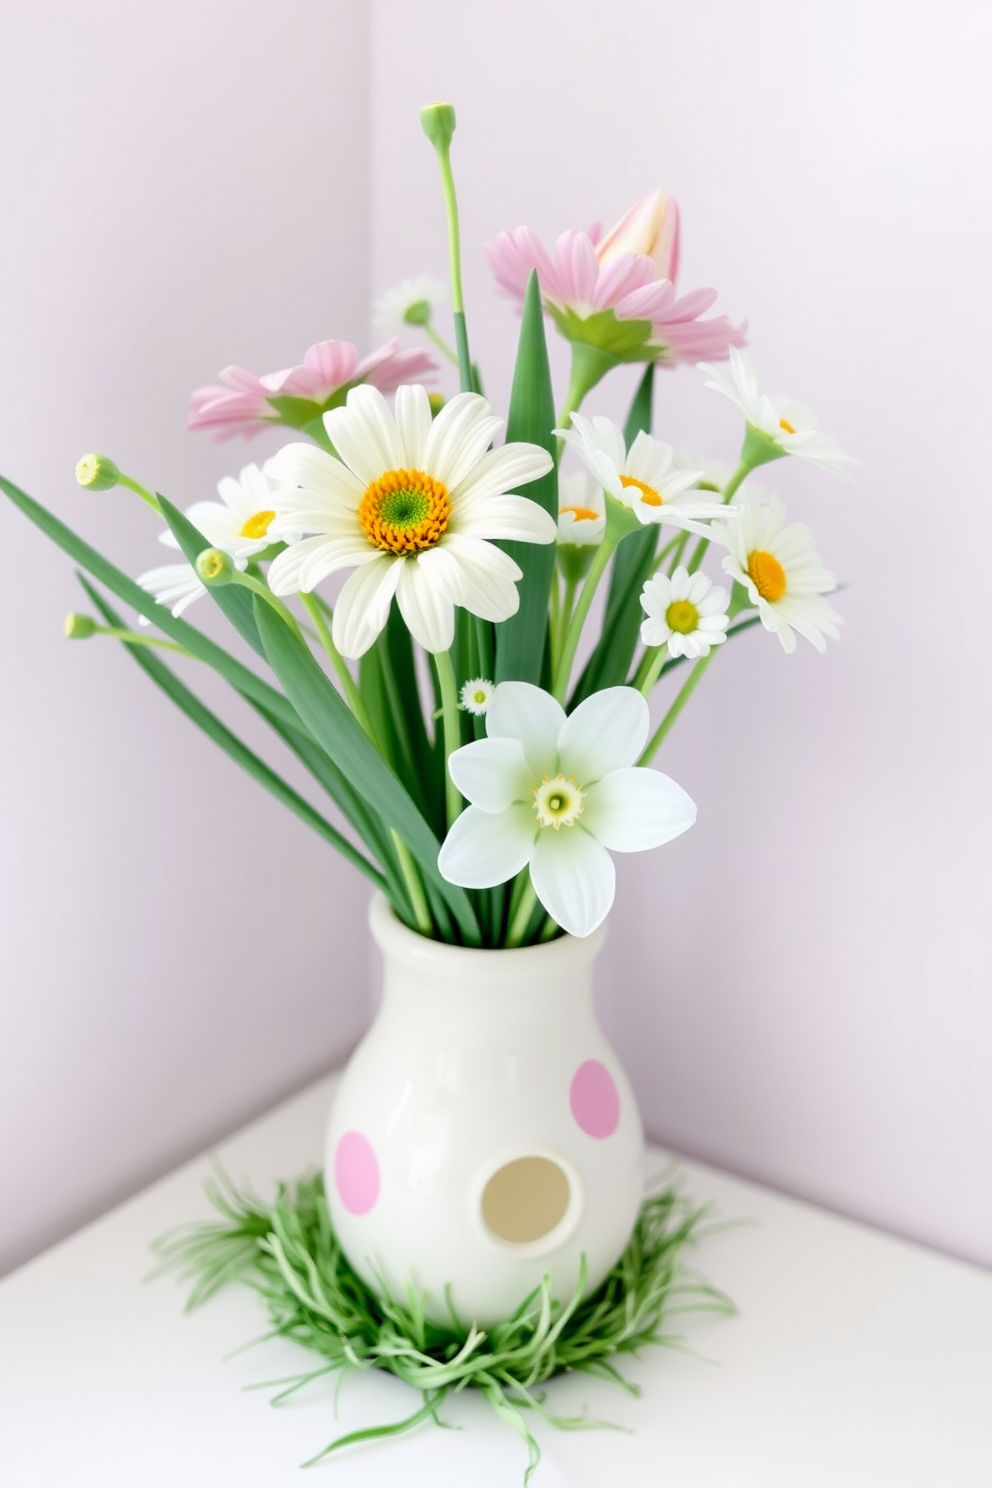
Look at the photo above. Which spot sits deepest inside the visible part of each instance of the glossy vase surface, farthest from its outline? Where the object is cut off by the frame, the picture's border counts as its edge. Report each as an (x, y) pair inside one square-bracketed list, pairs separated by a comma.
[(484, 1134)]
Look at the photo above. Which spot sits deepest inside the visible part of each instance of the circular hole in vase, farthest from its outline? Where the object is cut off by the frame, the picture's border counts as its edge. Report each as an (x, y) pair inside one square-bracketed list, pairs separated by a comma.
[(526, 1200)]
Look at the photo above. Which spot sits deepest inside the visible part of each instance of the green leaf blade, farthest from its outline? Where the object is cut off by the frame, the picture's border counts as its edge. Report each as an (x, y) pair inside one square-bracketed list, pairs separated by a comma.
[(520, 641)]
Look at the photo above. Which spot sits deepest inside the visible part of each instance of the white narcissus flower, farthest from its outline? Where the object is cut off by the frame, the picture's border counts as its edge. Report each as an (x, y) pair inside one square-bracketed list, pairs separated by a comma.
[(238, 524), (645, 477), (779, 568), (687, 613), (414, 507), (476, 695), (581, 510), (790, 426), (559, 794), (411, 303)]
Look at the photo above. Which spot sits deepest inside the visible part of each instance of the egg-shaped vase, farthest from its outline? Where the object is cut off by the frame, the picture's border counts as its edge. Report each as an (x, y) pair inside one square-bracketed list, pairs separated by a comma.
[(484, 1135)]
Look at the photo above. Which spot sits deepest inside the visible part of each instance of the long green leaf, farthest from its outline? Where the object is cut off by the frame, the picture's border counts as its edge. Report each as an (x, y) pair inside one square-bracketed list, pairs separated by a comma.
[(326, 716), (184, 699), (520, 640), (611, 658), (247, 682), (234, 602)]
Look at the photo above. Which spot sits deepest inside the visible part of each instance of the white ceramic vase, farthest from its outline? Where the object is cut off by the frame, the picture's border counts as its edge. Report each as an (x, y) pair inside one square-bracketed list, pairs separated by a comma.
[(484, 1134)]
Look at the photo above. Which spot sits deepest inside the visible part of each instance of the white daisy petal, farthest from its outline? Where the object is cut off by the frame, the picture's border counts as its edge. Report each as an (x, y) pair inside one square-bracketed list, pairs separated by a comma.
[(285, 570), (363, 604), (502, 470), (519, 710), (514, 517), (492, 774), (426, 597), (574, 878), (487, 577), (634, 809), (482, 850), (413, 421), (314, 469), (364, 434), (606, 732), (459, 437)]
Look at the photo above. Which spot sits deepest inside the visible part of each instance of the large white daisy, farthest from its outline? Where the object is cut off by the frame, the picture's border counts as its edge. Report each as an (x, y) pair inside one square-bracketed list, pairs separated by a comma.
[(645, 477), (413, 506), (779, 568), (238, 524), (559, 793), (687, 613), (791, 426)]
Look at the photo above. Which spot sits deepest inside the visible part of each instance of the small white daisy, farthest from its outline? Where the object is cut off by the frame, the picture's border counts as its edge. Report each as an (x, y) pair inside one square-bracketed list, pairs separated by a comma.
[(581, 511), (411, 303), (645, 477), (238, 524), (686, 612), (779, 568), (476, 696), (415, 507), (790, 426)]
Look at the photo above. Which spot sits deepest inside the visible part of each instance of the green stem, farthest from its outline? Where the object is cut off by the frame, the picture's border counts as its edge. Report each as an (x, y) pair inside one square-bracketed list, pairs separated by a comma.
[(521, 918), (563, 672), (135, 638), (440, 342), (676, 548), (455, 264), (264, 592), (655, 661), (354, 698), (415, 888), (148, 497), (665, 726), (452, 724), (589, 367), (729, 492)]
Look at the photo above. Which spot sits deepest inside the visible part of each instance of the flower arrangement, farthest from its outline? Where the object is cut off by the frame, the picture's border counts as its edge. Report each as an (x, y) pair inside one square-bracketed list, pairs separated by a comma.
[(485, 779)]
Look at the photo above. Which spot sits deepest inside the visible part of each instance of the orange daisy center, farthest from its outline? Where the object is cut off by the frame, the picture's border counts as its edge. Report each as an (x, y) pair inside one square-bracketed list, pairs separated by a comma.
[(766, 574), (582, 513), (649, 495), (405, 511), (784, 424)]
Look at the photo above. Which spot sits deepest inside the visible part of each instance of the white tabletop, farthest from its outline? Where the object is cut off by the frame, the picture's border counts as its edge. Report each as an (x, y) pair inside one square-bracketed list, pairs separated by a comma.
[(857, 1361)]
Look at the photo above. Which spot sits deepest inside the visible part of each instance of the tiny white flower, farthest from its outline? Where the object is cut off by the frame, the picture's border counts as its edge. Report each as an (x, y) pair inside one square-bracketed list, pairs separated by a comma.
[(789, 425), (238, 524), (411, 303), (476, 696), (559, 794), (645, 477), (686, 612), (779, 568), (581, 510), (414, 505)]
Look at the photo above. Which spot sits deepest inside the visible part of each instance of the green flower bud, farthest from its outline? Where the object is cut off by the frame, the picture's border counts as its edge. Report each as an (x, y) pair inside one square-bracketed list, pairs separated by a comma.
[(79, 627), (437, 402), (97, 473), (438, 123), (215, 568), (419, 313), (575, 561)]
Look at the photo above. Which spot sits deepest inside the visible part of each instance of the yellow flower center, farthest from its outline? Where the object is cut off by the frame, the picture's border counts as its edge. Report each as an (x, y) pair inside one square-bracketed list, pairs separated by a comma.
[(784, 424), (582, 513), (257, 525), (559, 802), (682, 616), (405, 511), (766, 574), (649, 495)]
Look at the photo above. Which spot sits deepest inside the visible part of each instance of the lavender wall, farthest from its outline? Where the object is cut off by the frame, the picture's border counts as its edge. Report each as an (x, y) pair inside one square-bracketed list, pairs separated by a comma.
[(800, 987), (184, 186)]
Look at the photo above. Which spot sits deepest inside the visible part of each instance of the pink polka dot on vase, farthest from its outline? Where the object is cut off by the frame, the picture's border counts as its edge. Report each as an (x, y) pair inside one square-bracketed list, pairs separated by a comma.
[(595, 1100), (356, 1173)]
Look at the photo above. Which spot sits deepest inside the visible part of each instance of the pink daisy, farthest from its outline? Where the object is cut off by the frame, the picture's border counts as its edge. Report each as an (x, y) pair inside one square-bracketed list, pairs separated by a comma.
[(244, 403), (596, 291)]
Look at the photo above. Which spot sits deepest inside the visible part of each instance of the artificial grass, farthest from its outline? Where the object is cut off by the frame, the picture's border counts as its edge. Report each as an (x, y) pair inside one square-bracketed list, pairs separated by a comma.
[(288, 1253)]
